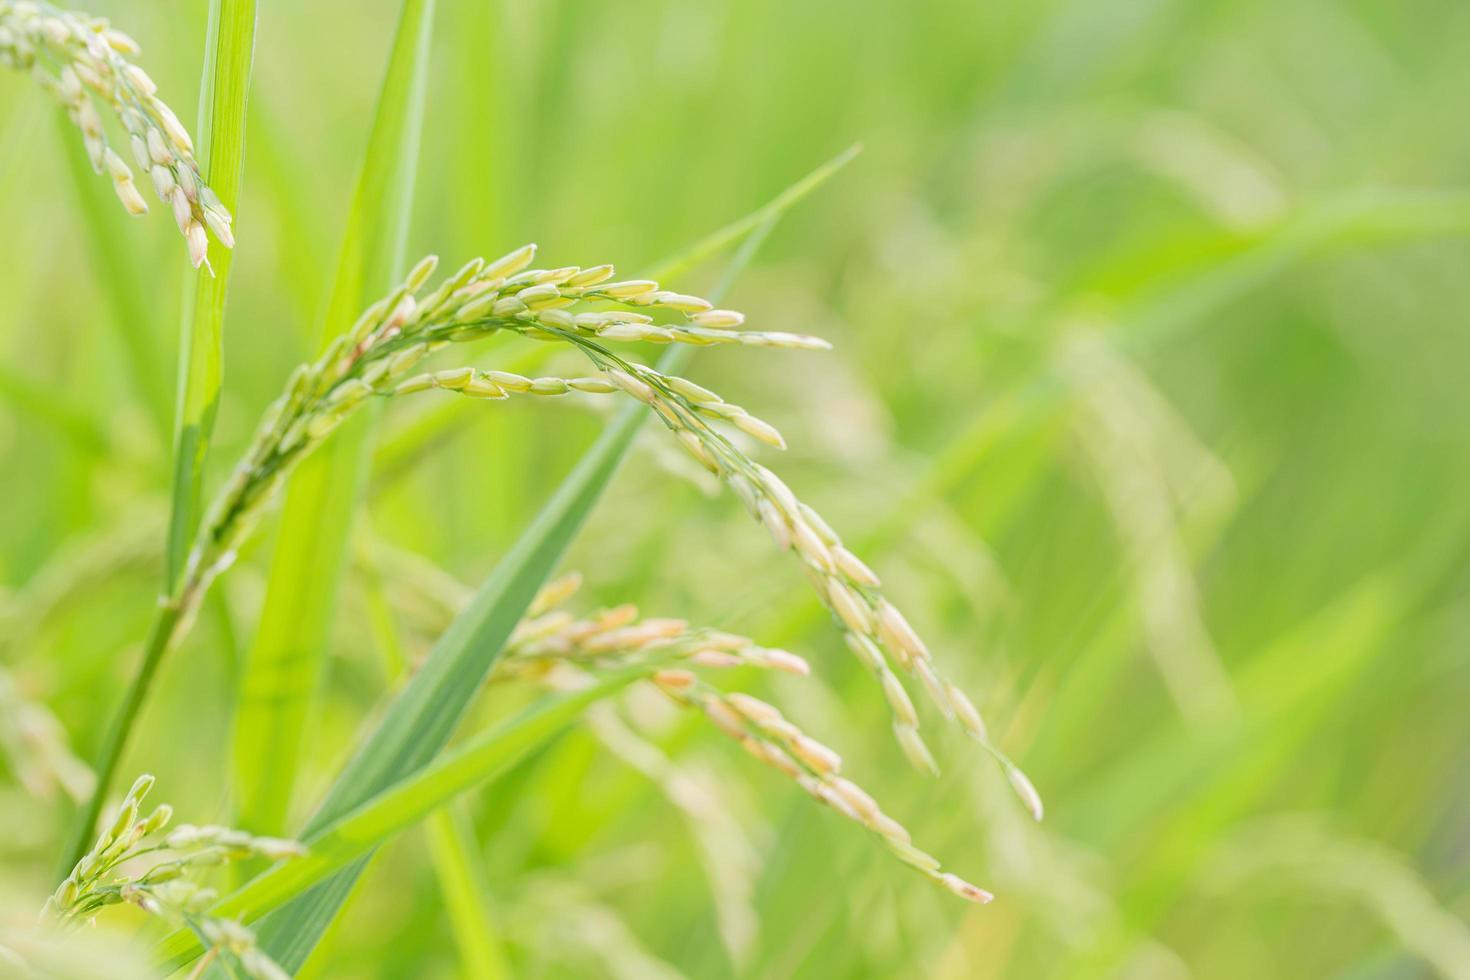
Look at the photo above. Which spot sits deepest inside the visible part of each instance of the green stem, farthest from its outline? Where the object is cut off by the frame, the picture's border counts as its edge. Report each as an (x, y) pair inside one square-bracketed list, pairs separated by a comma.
[(168, 626)]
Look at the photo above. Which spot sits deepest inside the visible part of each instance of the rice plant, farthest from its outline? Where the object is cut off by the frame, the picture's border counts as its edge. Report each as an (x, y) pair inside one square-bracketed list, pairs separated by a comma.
[(1104, 408), (573, 305)]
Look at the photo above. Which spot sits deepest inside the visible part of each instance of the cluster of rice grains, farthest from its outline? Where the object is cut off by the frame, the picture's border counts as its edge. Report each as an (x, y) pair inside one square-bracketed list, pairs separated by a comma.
[(83, 62), (552, 640), (136, 862), (563, 652)]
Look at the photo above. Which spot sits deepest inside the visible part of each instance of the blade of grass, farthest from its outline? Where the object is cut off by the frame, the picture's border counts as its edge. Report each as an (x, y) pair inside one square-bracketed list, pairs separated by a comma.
[(285, 658), (228, 52), (420, 720), (462, 880), (337, 843)]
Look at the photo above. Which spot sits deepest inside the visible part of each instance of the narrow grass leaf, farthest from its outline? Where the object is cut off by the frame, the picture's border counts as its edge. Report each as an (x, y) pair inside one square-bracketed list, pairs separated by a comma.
[(462, 881), (229, 52), (463, 887)]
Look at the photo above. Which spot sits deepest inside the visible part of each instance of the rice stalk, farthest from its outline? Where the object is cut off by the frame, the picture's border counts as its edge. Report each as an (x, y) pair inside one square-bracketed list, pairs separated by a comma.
[(84, 62), (419, 721), (177, 179), (224, 89), (399, 753)]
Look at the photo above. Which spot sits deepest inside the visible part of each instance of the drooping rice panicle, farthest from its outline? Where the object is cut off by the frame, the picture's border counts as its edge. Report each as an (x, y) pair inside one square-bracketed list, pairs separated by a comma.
[(431, 597), (871, 624), (560, 651), (164, 887), (84, 62)]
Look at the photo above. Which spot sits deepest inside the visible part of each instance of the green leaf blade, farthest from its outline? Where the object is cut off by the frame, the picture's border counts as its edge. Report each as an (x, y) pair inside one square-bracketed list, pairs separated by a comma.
[(222, 103)]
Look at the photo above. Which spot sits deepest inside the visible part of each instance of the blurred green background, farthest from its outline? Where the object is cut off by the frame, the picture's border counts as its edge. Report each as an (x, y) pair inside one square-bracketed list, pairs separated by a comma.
[(1148, 403)]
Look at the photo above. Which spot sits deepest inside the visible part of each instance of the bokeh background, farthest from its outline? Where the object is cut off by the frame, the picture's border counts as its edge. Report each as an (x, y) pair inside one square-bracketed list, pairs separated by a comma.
[(1148, 402)]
